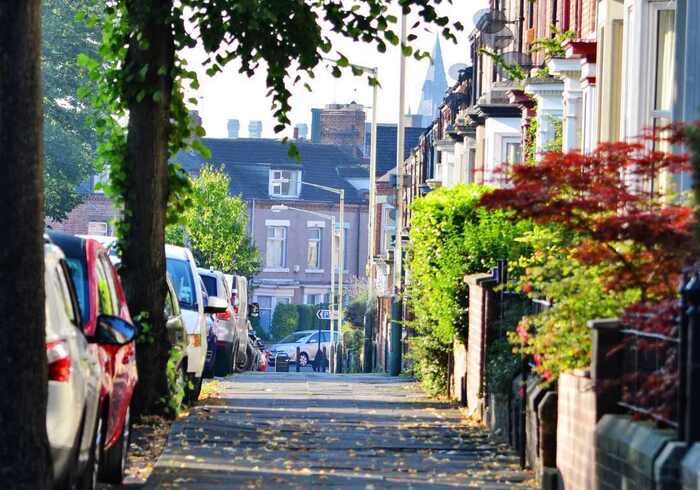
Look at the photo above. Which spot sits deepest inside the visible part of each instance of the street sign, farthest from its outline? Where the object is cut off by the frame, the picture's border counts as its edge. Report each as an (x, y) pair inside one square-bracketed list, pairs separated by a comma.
[(326, 315)]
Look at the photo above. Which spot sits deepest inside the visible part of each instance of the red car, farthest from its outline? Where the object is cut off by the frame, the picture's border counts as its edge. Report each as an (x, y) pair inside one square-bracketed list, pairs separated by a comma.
[(99, 291)]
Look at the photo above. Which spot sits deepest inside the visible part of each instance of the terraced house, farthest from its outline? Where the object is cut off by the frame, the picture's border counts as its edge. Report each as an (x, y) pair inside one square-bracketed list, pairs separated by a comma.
[(290, 214)]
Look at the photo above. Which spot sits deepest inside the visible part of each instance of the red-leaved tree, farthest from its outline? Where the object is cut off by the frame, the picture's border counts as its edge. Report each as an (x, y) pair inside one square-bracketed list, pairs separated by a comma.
[(615, 201)]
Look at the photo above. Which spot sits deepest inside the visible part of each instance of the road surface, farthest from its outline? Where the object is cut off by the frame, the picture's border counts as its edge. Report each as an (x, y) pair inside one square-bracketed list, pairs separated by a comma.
[(315, 430)]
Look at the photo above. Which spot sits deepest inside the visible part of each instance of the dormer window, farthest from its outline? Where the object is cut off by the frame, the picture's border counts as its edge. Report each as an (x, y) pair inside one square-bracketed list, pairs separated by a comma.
[(285, 183)]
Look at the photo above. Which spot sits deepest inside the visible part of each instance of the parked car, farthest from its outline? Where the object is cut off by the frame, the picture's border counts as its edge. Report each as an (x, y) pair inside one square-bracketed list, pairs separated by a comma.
[(238, 285), (210, 361), (227, 328), (99, 292), (177, 334), (74, 419), (182, 268), (308, 343)]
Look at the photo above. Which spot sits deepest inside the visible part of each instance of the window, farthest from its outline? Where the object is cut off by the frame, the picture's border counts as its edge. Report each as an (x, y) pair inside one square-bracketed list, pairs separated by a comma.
[(336, 248), (276, 249), (664, 70), (210, 284), (78, 272), (285, 183), (513, 153), (105, 294), (314, 299), (98, 228), (265, 303), (313, 249), (181, 276), (388, 228)]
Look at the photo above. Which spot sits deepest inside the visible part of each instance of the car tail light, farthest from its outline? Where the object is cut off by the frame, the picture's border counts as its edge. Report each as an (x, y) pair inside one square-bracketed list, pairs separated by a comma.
[(234, 302), (224, 315), (194, 340), (59, 361)]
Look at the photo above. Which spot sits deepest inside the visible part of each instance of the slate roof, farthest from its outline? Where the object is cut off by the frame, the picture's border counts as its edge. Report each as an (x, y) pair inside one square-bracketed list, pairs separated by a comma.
[(386, 145), (249, 160)]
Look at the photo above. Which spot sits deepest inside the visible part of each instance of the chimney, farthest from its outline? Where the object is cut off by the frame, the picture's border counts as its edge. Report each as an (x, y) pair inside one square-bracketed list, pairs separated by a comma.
[(296, 132), (233, 127), (255, 129)]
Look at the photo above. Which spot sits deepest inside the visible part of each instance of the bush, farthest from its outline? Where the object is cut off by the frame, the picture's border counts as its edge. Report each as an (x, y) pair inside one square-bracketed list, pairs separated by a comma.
[(285, 320), (451, 236)]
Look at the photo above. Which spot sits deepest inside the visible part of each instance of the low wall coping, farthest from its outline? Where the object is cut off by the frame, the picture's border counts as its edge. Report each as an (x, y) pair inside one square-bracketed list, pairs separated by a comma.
[(480, 279), (605, 324)]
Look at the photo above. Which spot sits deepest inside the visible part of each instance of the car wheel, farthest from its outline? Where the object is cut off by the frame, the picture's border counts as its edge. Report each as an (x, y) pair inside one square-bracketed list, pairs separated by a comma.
[(303, 359), (242, 361), (114, 458), (88, 478), (194, 388), (222, 364)]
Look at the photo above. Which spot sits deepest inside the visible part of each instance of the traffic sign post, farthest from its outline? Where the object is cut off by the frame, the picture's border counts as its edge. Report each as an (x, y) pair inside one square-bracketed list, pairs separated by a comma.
[(327, 314)]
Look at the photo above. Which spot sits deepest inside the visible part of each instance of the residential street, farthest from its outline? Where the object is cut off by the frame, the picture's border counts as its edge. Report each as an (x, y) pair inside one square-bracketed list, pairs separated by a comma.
[(308, 430)]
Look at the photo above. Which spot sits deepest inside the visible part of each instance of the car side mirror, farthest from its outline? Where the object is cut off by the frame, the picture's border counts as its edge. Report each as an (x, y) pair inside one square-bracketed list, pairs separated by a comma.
[(112, 330), (215, 305), (254, 310)]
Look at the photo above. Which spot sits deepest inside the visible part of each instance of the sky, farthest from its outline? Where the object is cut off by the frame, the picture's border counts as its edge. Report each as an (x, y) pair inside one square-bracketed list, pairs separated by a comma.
[(230, 95)]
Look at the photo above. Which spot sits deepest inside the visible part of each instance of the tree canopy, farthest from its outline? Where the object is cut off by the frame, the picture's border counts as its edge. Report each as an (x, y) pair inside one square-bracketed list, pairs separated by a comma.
[(216, 225), (69, 143)]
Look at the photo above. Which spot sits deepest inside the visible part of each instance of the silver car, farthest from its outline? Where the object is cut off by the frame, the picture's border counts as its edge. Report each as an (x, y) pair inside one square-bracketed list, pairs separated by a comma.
[(228, 339), (308, 343), (73, 418)]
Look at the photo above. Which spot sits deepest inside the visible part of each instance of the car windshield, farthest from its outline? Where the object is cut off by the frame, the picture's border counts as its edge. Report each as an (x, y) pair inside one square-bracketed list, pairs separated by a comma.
[(78, 272), (183, 283), (210, 284), (294, 338)]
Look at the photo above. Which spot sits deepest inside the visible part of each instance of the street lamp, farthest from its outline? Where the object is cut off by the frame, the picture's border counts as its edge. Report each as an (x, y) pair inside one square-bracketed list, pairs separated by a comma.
[(283, 207), (341, 252)]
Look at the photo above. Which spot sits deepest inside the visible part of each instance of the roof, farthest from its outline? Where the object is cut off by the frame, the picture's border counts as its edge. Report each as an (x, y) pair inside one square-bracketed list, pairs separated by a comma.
[(386, 145), (248, 162)]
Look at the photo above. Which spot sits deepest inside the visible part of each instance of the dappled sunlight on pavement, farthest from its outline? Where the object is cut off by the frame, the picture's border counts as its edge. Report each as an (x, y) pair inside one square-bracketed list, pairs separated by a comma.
[(308, 430)]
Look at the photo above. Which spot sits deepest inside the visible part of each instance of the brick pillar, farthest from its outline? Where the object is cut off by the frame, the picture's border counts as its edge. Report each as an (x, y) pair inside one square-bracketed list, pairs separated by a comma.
[(481, 310), (606, 367)]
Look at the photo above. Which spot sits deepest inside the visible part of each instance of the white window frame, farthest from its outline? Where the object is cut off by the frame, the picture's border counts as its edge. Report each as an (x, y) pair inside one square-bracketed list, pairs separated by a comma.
[(102, 225), (318, 241), (274, 267), (654, 8), (386, 228), (278, 178)]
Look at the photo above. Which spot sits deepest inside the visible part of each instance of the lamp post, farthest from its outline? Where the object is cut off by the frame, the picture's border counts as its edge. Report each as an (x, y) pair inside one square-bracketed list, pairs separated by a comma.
[(341, 253), (396, 307)]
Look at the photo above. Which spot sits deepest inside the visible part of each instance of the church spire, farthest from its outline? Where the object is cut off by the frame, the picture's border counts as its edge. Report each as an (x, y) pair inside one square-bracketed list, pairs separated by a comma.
[(434, 87)]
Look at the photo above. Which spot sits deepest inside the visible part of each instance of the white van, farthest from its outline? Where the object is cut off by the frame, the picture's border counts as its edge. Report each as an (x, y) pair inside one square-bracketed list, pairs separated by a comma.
[(183, 274), (182, 268)]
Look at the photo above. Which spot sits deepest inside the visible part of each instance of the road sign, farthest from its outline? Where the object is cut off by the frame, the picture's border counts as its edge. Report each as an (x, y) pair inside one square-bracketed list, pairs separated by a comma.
[(326, 315)]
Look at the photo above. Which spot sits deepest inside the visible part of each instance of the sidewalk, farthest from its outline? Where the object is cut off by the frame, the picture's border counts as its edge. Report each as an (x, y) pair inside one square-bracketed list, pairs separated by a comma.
[(308, 430)]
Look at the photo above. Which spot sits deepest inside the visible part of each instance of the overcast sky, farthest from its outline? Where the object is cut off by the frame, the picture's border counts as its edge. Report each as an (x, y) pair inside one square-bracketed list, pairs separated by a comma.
[(230, 95)]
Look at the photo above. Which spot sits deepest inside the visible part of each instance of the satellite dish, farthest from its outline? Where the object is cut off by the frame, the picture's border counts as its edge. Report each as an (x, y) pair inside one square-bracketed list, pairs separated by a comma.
[(513, 58), (498, 40), (455, 70), (490, 21)]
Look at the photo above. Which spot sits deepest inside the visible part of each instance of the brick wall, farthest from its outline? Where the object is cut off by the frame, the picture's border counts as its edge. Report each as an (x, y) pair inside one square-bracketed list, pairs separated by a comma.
[(481, 303), (343, 125), (575, 432), (95, 208)]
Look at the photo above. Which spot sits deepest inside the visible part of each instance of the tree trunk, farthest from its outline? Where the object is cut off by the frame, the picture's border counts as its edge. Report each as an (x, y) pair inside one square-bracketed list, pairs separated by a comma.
[(146, 194), (25, 460)]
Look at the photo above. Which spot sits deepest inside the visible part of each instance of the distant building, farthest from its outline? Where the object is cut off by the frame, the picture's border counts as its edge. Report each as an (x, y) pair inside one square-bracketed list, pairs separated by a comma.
[(434, 88), (233, 126), (301, 131), (386, 144), (255, 129), (339, 124), (295, 245)]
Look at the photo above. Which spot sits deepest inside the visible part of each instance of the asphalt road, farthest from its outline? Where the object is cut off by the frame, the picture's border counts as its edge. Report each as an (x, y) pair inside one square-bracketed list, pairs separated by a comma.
[(309, 430)]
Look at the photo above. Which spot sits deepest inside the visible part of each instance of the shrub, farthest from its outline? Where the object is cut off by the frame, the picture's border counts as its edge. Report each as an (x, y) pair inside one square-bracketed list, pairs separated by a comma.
[(451, 236), (285, 320)]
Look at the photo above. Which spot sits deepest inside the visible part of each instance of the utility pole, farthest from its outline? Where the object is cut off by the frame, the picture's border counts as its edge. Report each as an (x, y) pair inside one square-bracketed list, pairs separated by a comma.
[(332, 301), (372, 225), (396, 307), (341, 274)]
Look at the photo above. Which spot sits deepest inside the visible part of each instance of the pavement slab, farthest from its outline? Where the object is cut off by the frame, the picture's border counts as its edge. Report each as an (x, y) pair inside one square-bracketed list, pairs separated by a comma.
[(317, 430)]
